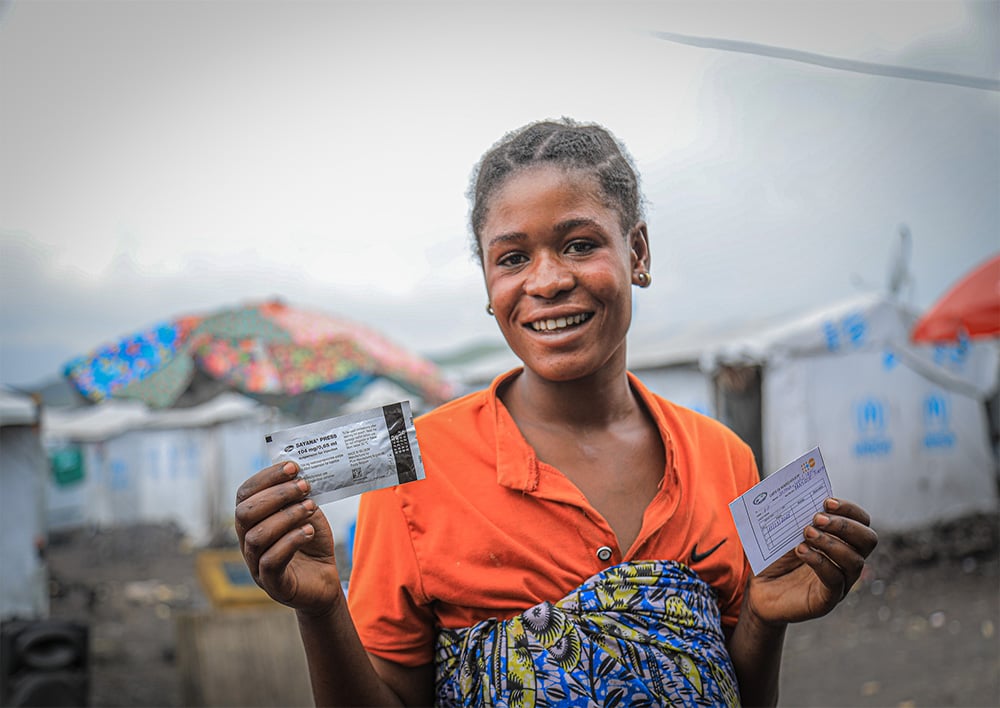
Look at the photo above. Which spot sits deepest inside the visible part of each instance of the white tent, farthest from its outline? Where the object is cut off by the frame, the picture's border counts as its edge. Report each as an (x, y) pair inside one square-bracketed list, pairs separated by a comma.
[(23, 577), (120, 462), (125, 463), (903, 428)]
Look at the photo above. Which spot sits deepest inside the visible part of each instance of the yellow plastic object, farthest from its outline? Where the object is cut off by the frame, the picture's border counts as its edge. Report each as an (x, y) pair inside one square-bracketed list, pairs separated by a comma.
[(227, 581)]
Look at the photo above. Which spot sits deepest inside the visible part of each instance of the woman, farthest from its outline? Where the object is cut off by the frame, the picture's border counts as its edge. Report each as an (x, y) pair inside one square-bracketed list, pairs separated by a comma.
[(572, 542)]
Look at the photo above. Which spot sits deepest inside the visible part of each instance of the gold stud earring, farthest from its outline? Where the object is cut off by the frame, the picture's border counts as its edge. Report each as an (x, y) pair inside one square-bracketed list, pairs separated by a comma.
[(644, 278), (489, 309)]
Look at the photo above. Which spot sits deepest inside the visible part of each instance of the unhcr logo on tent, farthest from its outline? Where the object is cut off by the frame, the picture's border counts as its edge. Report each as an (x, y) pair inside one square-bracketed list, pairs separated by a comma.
[(851, 332), (952, 356), (871, 421), (937, 426)]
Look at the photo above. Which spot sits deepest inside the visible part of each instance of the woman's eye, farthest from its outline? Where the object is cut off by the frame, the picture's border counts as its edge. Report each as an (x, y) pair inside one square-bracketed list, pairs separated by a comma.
[(580, 247), (512, 259)]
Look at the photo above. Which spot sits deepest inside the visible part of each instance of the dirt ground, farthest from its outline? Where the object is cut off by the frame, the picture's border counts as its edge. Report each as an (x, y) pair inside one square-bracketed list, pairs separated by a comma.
[(922, 627)]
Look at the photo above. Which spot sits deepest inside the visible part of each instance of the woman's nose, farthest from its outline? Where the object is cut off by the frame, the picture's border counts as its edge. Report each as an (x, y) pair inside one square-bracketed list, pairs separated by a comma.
[(548, 277)]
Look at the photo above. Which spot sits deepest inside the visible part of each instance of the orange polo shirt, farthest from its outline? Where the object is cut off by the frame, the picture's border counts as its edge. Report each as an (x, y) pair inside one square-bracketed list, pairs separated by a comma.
[(492, 530)]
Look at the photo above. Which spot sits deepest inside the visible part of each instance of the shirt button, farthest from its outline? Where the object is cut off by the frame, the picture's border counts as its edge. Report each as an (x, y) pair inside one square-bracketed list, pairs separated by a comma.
[(604, 553)]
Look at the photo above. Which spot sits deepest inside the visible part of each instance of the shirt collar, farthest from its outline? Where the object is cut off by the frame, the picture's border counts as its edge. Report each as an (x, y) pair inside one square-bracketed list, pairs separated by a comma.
[(517, 466)]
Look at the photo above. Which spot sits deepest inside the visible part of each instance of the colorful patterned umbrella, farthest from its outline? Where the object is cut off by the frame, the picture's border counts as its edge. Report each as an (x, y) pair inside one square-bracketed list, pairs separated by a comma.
[(269, 349)]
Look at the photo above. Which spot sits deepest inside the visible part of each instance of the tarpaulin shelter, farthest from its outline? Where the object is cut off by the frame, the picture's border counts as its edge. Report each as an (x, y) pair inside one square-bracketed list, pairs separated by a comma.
[(23, 575), (121, 462), (903, 427), (272, 351)]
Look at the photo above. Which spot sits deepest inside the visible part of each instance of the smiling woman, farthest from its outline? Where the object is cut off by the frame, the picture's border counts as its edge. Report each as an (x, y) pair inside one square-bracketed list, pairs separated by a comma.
[(557, 226), (571, 541), (559, 271)]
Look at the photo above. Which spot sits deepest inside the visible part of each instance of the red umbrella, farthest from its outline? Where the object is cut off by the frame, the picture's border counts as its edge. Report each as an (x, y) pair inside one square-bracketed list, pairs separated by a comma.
[(971, 308)]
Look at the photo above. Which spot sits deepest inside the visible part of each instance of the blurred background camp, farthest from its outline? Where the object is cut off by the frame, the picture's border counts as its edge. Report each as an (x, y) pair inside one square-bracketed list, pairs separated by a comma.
[(218, 219)]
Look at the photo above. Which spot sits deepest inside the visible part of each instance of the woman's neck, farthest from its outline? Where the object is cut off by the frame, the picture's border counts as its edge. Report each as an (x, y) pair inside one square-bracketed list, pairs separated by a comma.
[(595, 401)]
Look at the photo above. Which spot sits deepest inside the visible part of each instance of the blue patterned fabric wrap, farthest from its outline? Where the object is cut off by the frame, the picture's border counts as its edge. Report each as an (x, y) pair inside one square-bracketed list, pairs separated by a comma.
[(646, 633)]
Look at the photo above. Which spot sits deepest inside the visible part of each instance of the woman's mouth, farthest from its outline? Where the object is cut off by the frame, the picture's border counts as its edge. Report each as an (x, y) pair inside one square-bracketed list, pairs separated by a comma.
[(557, 323)]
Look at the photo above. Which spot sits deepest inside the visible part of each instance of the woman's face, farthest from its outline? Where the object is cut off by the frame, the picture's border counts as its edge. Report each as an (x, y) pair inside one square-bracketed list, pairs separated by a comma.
[(559, 271)]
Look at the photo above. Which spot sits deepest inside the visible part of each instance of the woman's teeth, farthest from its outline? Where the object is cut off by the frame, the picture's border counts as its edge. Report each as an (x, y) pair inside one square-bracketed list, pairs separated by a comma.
[(559, 322)]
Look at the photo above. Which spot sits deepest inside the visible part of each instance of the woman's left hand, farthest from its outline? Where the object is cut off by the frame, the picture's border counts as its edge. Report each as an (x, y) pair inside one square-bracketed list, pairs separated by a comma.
[(811, 579)]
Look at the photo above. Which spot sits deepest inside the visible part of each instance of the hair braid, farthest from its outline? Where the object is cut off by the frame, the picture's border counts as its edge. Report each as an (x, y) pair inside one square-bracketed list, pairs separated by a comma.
[(565, 143)]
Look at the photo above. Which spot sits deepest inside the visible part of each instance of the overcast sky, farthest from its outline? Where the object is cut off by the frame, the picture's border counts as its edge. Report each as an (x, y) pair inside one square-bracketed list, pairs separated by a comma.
[(162, 158)]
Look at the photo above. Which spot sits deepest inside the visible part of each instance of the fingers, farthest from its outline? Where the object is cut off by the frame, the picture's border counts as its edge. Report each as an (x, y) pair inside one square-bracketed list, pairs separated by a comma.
[(850, 523), (271, 565), (837, 544), (271, 507), (285, 539), (267, 491), (838, 565), (830, 574), (267, 477), (270, 530), (848, 509), (266, 517)]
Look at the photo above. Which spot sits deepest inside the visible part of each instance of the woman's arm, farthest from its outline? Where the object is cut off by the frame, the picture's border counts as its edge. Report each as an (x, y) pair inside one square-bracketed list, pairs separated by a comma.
[(342, 673), (755, 649), (805, 583), (288, 546)]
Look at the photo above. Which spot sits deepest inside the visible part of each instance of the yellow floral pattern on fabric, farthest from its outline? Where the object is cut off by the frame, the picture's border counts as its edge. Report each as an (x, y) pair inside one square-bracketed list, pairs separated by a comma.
[(637, 634)]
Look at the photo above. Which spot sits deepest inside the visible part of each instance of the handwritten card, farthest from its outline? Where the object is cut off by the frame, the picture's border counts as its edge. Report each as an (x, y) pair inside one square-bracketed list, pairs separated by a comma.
[(770, 516)]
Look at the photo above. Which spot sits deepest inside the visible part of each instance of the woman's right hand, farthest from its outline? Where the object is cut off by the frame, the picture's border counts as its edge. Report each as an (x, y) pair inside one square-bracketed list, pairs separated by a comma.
[(286, 540)]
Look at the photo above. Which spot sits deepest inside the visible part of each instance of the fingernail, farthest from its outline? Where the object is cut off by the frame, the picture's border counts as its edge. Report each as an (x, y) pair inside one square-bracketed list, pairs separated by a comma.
[(811, 532), (832, 504), (308, 530), (303, 485), (309, 505), (289, 469), (821, 519)]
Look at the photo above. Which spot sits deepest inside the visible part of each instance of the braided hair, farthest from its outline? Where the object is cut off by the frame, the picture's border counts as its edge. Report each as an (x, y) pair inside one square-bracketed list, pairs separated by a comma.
[(564, 143)]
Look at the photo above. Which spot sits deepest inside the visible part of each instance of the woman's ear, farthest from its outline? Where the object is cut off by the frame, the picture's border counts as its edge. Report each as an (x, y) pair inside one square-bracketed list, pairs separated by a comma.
[(639, 246)]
